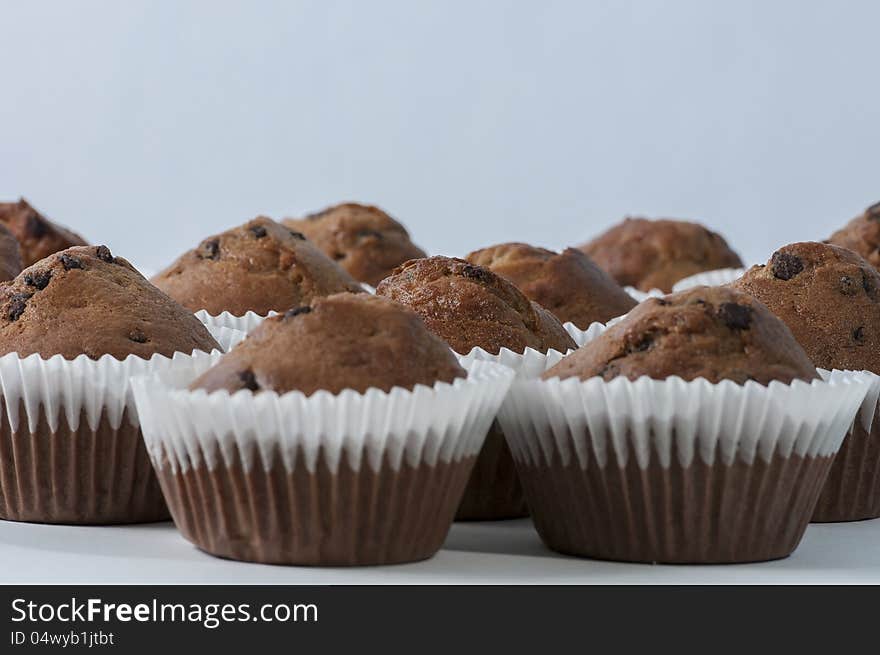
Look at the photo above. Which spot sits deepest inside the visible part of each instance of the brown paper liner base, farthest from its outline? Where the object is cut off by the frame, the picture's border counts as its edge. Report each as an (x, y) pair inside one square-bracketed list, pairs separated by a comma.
[(348, 518), (701, 514), (852, 490), (493, 491), (82, 476)]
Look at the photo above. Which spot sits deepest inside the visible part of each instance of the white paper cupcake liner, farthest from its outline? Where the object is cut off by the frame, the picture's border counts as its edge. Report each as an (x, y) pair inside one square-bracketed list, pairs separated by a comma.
[(675, 471), (716, 278), (428, 424), (645, 417), (852, 490), (346, 479), (70, 440), (640, 295), (244, 323)]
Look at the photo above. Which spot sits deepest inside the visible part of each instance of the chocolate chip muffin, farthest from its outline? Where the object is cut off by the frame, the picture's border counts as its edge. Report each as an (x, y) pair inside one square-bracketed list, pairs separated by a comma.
[(568, 284), (37, 236), (468, 305), (363, 239), (260, 266), (84, 300), (10, 255), (714, 333), (862, 235), (830, 299), (383, 345), (655, 254)]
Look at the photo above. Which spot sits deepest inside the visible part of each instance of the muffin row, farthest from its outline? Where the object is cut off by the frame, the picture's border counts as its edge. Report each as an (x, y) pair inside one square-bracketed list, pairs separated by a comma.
[(343, 430)]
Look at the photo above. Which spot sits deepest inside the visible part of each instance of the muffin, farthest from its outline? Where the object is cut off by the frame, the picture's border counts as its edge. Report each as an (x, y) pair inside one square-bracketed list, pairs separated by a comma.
[(567, 283), (830, 299), (713, 333), (382, 346), (696, 430), (73, 328), (323, 446), (260, 266), (38, 237), (363, 239), (85, 301), (655, 254), (861, 235), (10, 255), (470, 307)]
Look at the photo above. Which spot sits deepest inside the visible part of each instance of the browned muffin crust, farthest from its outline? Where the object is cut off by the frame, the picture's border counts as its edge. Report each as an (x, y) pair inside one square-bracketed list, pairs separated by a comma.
[(568, 284), (344, 341), (861, 235), (655, 254), (84, 300), (830, 299), (260, 266), (468, 306), (363, 239), (37, 236), (716, 333), (10, 255)]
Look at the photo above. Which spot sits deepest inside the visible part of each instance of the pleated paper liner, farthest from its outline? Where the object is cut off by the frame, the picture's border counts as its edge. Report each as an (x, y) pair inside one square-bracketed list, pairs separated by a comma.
[(331, 480), (244, 323), (494, 492), (675, 471), (71, 449), (716, 278), (249, 320), (852, 490)]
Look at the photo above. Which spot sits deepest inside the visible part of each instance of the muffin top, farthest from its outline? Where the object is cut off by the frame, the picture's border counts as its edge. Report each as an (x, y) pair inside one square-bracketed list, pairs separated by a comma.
[(655, 254), (363, 239), (862, 235), (84, 300), (468, 306), (382, 345), (568, 284), (37, 236), (830, 299), (714, 333), (260, 266), (10, 255)]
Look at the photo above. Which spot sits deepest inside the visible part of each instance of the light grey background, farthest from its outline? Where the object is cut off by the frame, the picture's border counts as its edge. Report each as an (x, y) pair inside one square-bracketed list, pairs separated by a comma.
[(148, 125)]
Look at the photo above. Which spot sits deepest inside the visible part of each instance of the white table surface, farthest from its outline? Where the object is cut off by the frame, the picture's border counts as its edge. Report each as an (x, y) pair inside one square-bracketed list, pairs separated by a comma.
[(505, 552)]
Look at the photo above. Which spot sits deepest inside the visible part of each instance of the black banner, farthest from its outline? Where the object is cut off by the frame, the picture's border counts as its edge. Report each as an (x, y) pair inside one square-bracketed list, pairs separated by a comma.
[(412, 619)]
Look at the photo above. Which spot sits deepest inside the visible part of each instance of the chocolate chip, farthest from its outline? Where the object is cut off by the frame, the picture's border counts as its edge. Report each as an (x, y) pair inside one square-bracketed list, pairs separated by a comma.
[(858, 334), (296, 311), (868, 283), (69, 262), (258, 231), (848, 286), (17, 305), (735, 316), (39, 279), (476, 273), (210, 249), (873, 211), (297, 235), (137, 336), (248, 380), (103, 253), (785, 265), (370, 233), (644, 343), (35, 227)]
